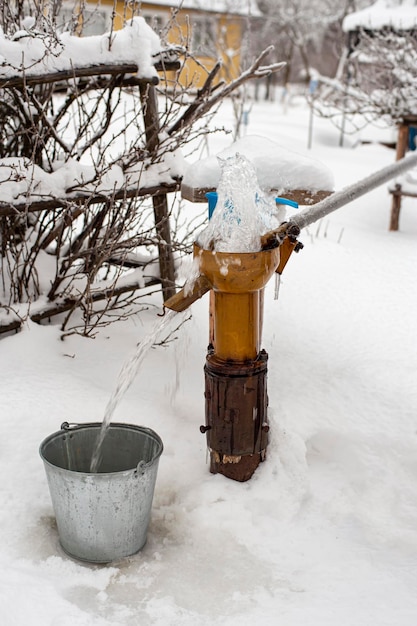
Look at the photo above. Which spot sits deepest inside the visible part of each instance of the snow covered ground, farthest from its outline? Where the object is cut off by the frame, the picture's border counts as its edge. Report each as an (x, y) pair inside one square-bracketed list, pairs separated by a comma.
[(325, 533)]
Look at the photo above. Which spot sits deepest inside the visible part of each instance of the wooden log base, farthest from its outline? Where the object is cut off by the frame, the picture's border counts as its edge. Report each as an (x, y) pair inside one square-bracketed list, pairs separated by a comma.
[(236, 426), (239, 468), (302, 196)]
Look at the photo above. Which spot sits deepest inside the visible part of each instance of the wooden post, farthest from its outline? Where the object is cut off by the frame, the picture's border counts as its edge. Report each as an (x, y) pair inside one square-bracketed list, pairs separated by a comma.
[(402, 144), (160, 203), (395, 208)]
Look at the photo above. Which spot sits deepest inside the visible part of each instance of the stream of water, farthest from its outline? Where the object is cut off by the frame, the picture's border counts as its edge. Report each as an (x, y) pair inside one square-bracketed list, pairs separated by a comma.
[(243, 211), (126, 376)]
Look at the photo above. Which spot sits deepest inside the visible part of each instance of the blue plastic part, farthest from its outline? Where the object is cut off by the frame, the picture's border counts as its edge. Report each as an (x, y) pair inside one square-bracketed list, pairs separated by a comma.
[(212, 201), (291, 203)]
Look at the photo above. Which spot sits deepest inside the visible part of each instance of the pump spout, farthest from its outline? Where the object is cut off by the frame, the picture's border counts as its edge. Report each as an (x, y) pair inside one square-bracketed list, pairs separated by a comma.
[(233, 272), (186, 296)]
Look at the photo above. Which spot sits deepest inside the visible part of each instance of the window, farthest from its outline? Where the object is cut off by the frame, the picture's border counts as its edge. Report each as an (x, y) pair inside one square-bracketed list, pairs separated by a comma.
[(203, 36), (96, 22), (155, 21), (65, 20)]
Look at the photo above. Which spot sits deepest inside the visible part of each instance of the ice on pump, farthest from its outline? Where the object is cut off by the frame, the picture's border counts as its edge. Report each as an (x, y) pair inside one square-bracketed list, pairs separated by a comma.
[(243, 212)]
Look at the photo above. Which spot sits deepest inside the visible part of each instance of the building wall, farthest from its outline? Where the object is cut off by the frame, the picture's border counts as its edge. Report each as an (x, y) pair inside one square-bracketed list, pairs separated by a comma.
[(206, 35)]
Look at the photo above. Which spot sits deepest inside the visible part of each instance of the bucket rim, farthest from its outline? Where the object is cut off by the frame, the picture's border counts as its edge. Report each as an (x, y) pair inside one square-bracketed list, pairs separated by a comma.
[(97, 425)]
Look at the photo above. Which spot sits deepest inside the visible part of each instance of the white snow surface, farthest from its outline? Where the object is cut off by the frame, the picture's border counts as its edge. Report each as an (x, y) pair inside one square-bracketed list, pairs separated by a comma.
[(35, 53), (277, 167), (398, 14), (23, 181), (325, 533)]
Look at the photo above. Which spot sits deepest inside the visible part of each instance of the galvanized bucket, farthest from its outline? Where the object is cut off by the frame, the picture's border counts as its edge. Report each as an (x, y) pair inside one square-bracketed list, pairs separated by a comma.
[(102, 516)]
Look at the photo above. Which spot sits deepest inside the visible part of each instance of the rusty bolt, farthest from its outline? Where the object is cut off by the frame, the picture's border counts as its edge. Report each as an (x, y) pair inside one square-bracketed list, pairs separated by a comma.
[(293, 230), (204, 429)]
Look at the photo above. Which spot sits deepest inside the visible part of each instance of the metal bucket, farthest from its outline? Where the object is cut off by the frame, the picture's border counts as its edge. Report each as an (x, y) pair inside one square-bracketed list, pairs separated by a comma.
[(102, 516)]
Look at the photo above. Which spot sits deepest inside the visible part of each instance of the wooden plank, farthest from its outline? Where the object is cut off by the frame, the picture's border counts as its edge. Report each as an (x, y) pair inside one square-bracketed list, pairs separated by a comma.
[(56, 308), (7, 208), (404, 194), (397, 191), (64, 75), (9, 327), (90, 71), (302, 196)]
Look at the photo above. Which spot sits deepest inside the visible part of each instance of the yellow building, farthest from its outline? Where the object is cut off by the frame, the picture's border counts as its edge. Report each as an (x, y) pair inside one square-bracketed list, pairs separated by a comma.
[(207, 30)]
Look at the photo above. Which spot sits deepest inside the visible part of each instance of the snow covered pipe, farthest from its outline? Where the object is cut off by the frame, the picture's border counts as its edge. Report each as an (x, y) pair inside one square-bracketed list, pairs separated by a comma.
[(350, 193)]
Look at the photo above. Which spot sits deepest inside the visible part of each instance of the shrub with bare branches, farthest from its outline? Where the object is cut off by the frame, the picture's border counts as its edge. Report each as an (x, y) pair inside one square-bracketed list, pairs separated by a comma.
[(377, 83), (88, 166)]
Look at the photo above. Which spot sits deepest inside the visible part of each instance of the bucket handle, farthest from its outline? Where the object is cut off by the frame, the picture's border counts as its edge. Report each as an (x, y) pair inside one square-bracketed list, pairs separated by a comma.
[(69, 426), (74, 425), (142, 466)]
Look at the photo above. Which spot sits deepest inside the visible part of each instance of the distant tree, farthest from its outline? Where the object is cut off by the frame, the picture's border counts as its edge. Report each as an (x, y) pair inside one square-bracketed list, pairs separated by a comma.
[(377, 81), (298, 28)]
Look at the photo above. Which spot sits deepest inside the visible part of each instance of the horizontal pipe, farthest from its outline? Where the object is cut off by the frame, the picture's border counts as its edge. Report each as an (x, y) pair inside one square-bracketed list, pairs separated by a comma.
[(350, 193)]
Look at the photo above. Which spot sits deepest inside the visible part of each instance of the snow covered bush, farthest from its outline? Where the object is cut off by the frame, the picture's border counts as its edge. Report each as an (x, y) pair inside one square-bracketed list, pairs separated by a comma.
[(91, 150), (377, 82), (78, 164)]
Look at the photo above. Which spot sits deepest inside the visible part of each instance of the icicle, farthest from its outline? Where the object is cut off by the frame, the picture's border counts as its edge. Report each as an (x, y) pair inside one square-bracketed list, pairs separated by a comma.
[(277, 285)]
